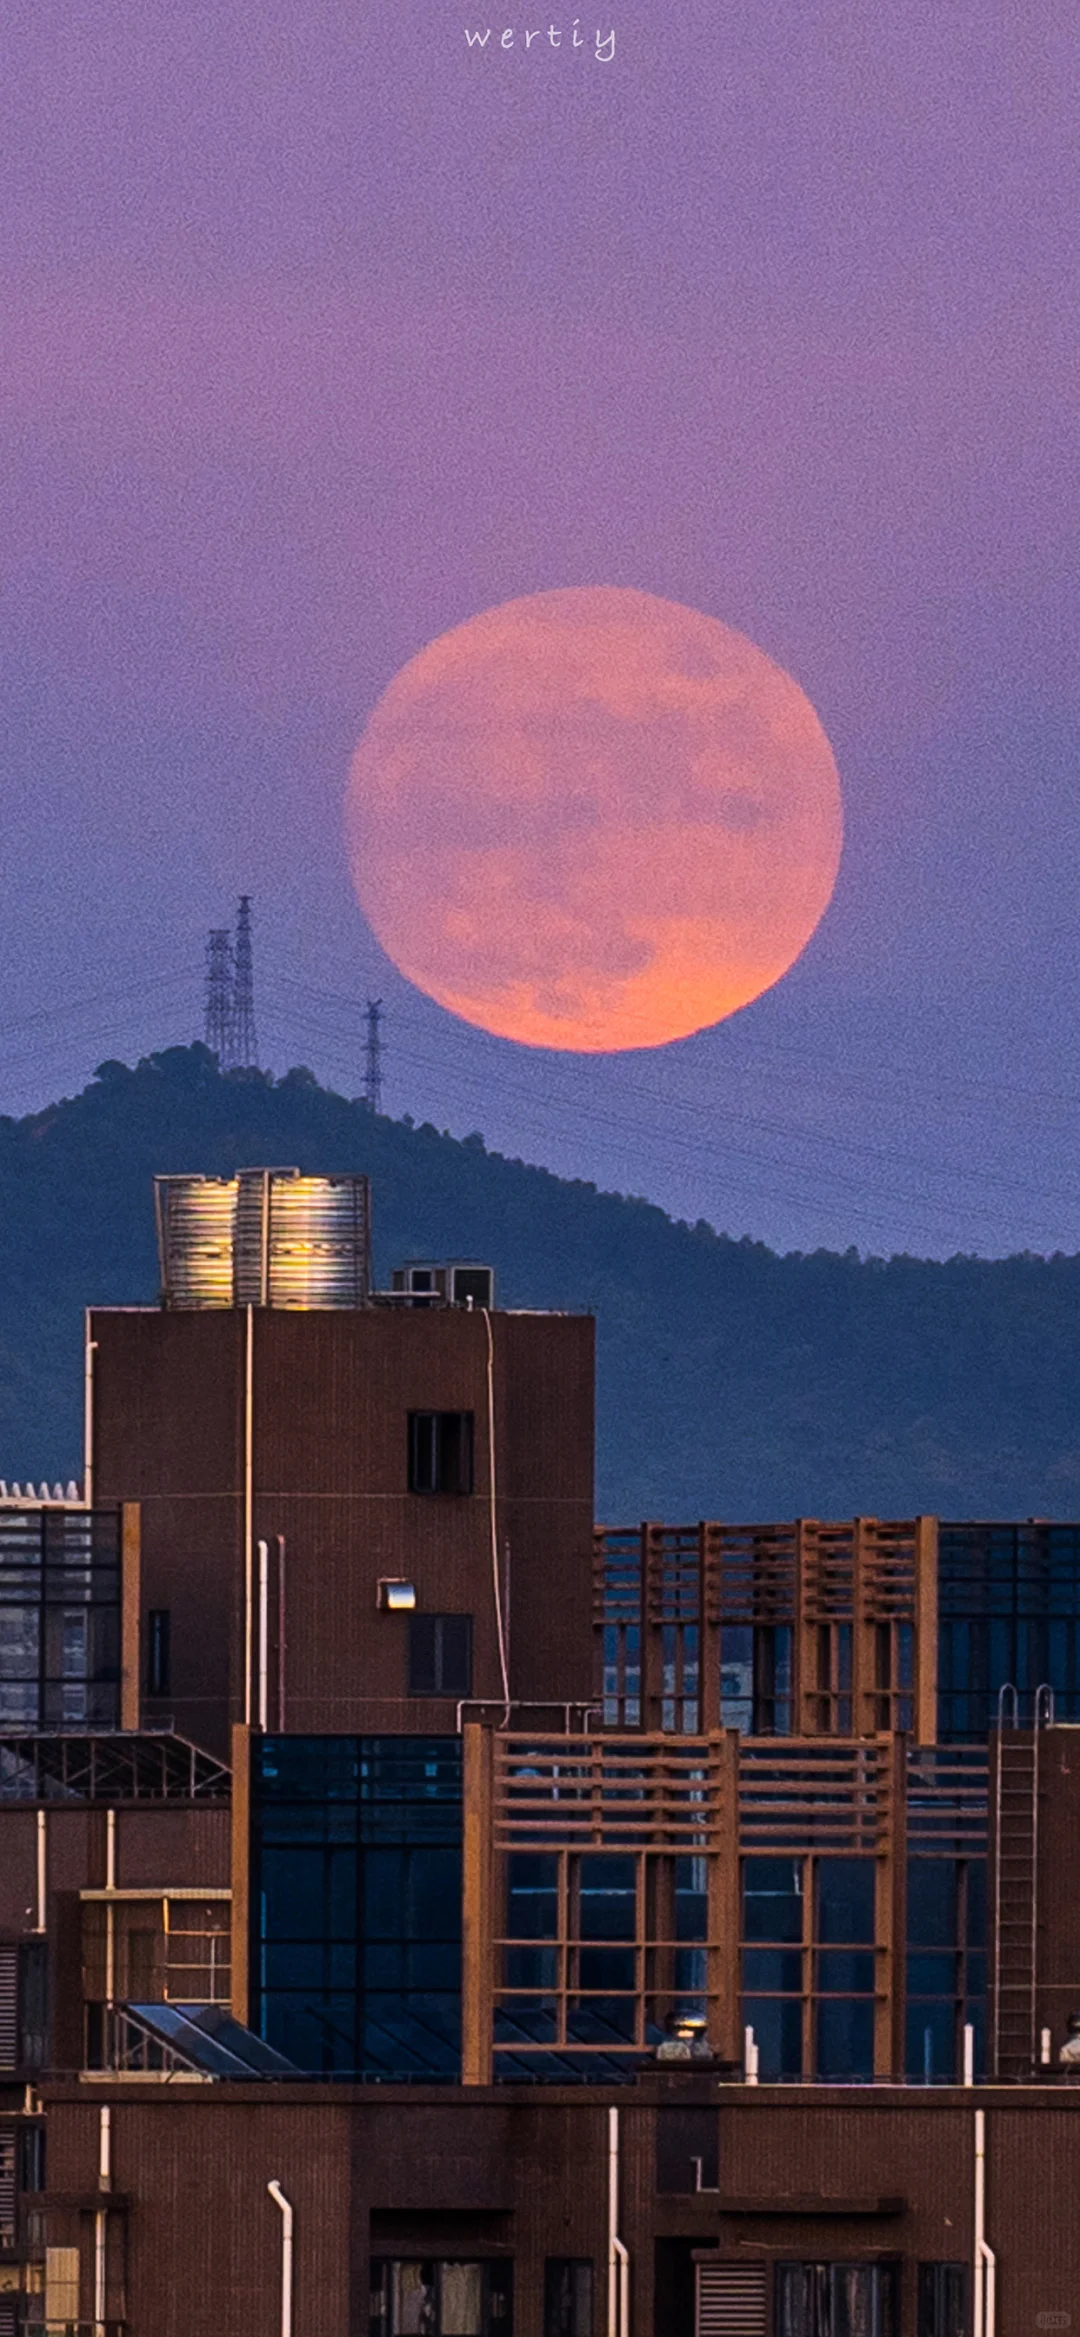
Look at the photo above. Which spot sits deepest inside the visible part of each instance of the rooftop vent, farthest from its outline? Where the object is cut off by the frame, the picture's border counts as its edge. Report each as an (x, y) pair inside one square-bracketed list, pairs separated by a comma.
[(267, 1237)]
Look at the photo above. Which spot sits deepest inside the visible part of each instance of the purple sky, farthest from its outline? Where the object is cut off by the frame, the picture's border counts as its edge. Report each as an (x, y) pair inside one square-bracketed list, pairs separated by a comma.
[(321, 332)]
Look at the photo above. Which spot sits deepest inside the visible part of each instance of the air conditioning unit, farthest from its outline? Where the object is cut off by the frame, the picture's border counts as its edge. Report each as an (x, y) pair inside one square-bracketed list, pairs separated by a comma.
[(461, 1282), (470, 1285), (421, 1285)]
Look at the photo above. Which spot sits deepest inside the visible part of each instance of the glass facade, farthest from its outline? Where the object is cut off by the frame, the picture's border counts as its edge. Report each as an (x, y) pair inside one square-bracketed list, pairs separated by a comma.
[(356, 1904), (1008, 1613), (59, 1619), (946, 1965), (604, 1950), (808, 1965)]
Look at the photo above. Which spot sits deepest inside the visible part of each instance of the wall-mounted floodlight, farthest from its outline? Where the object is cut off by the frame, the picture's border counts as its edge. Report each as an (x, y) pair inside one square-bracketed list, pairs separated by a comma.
[(396, 1596)]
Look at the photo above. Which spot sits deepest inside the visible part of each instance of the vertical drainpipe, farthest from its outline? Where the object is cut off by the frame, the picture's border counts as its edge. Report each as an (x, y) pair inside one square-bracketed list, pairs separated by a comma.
[(89, 1352), (264, 1635), (279, 2199), (249, 1551), (110, 1909), (42, 1870), (985, 2266), (100, 2219), (618, 2258)]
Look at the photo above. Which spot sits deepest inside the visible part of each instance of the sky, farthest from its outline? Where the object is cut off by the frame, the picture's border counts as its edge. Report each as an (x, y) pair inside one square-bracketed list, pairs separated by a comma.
[(321, 331)]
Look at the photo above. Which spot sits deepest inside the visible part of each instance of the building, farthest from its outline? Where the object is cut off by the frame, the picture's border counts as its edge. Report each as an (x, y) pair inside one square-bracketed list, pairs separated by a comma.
[(423, 1913)]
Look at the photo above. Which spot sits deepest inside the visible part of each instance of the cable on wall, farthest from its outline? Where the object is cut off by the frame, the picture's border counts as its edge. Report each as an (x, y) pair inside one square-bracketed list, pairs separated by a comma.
[(500, 1623)]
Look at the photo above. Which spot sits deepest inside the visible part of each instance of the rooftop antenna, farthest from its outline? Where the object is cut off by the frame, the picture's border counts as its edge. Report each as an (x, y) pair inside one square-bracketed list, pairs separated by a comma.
[(245, 1046), (218, 1019), (373, 1055)]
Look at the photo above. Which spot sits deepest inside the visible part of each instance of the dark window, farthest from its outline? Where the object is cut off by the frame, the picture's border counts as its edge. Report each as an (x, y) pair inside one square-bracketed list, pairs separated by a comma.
[(159, 1652), (943, 2300), (755, 1678), (836, 2300), (30, 2162), (946, 1964), (440, 1655), (441, 2299), (568, 2296), (440, 1452), (33, 2008)]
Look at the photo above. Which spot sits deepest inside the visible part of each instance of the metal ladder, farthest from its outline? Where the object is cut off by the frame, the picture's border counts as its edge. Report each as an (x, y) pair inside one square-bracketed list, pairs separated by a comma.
[(1016, 1882)]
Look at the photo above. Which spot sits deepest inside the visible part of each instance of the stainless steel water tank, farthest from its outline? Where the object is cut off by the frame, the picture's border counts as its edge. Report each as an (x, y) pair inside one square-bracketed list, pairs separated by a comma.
[(267, 1237)]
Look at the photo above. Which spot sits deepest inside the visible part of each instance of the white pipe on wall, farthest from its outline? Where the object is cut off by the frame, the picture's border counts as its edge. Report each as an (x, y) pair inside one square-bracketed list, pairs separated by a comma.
[(264, 1635), (110, 1907), (42, 1870), (249, 1553), (279, 2199), (100, 2219), (984, 2318), (618, 2255), (969, 2054), (89, 1352)]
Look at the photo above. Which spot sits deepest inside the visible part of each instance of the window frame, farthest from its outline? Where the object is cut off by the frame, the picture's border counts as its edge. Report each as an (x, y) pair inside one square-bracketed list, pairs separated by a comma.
[(420, 1622), (440, 1458), (496, 2298), (582, 2322)]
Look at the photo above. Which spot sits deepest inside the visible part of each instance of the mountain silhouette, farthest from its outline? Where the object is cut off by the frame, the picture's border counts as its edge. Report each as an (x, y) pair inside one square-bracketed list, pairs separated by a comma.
[(732, 1382)]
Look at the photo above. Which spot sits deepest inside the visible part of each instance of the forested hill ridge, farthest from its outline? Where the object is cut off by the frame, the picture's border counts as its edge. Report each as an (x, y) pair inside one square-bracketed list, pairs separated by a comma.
[(732, 1382)]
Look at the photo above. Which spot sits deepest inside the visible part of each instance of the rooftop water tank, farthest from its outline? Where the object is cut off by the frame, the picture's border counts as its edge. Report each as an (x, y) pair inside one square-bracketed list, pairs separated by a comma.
[(267, 1237)]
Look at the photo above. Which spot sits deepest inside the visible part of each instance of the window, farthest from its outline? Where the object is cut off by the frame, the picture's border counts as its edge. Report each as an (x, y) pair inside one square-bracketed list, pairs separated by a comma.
[(946, 1965), (568, 2296), (844, 1973), (423, 2297), (836, 2300), (943, 2300), (30, 2163), (774, 1914), (440, 1655), (755, 1678), (33, 2045), (440, 1452), (59, 1619), (159, 1652)]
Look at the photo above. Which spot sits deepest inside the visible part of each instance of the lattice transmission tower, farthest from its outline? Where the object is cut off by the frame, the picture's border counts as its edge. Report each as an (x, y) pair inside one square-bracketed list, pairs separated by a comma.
[(373, 1055), (245, 1045), (218, 1017)]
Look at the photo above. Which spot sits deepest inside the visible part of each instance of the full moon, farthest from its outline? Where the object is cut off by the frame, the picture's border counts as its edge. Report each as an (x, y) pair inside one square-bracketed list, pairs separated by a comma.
[(593, 820)]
